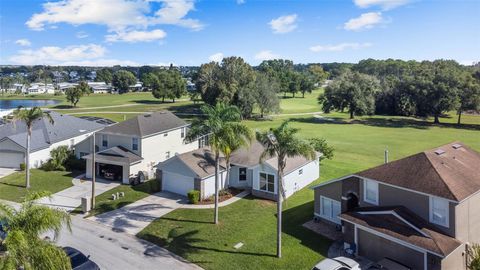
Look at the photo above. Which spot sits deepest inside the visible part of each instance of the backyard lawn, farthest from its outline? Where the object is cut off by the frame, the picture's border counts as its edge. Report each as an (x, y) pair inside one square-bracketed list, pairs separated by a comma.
[(12, 187), (359, 145)]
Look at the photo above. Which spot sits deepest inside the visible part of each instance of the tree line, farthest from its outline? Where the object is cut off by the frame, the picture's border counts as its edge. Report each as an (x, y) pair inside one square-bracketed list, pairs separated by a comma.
[(406, 88)]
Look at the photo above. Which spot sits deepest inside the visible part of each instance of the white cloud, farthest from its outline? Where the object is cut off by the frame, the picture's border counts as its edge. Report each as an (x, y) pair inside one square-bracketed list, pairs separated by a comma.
[(284, 24), (216, 57), (137, 36), (365, 21), (240, 2), (100, 63), (81, 34), (339, 47), (385, 4), (266, 55), (56, 55), (118, 16), (23, 42)]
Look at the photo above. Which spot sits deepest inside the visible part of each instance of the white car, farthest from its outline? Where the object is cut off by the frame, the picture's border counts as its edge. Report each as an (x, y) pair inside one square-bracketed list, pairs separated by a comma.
[(338, 263)]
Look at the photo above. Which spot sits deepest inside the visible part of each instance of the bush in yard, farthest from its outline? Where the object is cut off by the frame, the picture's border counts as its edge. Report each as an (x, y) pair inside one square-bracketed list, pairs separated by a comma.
[(59, 156), (154, 185), (22, 166), (194, 196), (75, 164), (474, 257)]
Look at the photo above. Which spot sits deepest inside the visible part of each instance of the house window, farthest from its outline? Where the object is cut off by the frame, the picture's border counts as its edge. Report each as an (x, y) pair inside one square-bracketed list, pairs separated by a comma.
[(267, 182), (242, 174), (330, 209), (182, 132), (167, 155), (300, 172), (104, 140), (370, 191), (439, 211), (135, 144)]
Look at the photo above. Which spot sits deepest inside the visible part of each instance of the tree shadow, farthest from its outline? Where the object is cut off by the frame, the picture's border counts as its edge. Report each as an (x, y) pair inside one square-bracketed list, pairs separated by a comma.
[(63, 107), (294, 217), (152, 102), (384, 122)]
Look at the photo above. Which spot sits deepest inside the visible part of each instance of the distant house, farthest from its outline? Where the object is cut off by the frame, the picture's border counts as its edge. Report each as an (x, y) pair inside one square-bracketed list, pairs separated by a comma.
[(421, 211), (63, 86), (40, 88), (138, 86), (136, 145), (191, 87), (66, 130), (195, 170), (100, 87)]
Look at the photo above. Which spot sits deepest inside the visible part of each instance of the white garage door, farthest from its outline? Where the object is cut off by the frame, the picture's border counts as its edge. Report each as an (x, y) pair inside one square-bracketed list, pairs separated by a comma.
[(177, 183), (11, 160)]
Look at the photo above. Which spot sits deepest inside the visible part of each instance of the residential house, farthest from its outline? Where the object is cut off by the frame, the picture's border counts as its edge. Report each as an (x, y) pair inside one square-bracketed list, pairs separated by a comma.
[(195, 170), (100, 87), (66, 130), (137, 87), (40, 88), (136, 145), (421, 211)]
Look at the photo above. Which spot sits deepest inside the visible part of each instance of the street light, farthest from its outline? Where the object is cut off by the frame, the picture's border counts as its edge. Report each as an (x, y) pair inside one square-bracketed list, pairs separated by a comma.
[(93, 171)]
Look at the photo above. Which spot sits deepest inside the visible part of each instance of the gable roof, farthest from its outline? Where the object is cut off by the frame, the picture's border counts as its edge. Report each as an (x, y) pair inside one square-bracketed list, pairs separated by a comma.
[(402, 224), (44, 133), (449, 171), (147, 124), (200, 161), (116, 154), (250, 157)]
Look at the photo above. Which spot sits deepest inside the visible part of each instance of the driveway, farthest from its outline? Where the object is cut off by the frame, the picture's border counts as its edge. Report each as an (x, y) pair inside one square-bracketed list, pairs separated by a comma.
[(6, 171), (71, 198), (115, 250), (136, 216)]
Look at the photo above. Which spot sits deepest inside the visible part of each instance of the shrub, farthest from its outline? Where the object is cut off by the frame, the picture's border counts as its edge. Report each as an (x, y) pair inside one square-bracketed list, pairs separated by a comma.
[(194, 196), (23, 166), (474, 257), (154, 185), (75, 164)]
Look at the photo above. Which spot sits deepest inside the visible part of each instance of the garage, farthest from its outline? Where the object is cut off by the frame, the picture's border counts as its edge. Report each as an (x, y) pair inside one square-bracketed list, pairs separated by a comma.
[(376, 248), (177, 183), (11, 159), (110, 171)]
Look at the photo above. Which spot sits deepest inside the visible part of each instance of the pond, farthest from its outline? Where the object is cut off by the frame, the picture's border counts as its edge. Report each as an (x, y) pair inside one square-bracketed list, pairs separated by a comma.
[(6, 104)]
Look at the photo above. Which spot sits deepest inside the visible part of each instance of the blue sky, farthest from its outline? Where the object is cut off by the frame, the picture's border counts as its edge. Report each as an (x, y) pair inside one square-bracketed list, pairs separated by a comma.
[(187, 32)]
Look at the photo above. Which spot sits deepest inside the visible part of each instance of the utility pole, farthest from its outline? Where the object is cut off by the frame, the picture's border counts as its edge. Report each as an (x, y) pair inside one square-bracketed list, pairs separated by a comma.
[(93, 171), (386, 155)]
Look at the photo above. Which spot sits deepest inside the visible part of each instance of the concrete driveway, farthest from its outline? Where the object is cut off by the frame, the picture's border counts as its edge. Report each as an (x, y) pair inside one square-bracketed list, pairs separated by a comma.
[(71, 198), (136, 216), (6, 171), (116, 250)]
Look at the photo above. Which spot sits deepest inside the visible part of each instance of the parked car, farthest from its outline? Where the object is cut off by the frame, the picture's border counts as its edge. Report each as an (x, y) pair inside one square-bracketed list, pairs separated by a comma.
[(79, 261), (338, 263)]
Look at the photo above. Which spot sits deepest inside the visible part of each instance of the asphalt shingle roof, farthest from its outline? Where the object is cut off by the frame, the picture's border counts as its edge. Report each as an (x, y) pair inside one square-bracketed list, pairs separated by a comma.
[(148, 124), (44, 133), (451, 173)]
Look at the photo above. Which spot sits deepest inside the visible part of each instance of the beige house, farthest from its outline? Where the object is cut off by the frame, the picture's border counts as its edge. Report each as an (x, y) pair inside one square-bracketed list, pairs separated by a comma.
[(422, 210), (136, 145)]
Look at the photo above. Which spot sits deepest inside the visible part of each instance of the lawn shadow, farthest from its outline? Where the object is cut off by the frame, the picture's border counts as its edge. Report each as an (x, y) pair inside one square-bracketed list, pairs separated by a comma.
[(294, 217), (152, 102), (12, 185), (384, 122), (63, 107)]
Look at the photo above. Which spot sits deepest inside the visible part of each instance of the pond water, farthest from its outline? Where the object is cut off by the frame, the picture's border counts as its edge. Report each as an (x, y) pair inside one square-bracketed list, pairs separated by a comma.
[(6, 104)]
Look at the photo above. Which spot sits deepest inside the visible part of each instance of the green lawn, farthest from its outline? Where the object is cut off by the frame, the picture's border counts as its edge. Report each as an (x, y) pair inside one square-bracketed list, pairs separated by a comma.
[(359, 145), (298, 104), (132, 194), (12, 187)]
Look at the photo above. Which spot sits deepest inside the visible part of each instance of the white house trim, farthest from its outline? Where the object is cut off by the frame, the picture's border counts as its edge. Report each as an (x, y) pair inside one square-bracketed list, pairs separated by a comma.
[(397, 216), (390, 238)]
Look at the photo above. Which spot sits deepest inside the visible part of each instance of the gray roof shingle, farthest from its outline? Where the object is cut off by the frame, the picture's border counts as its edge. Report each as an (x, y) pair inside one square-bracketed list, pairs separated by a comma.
[(44, 133), (148, 124)]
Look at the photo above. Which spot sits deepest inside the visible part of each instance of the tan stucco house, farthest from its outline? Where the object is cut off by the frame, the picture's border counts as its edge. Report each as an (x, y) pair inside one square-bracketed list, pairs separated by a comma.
[(422, 210), (136, 145)]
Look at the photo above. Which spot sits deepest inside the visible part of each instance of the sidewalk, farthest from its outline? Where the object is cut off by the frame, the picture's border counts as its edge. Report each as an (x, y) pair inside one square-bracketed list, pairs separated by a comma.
[(235, 198), (71, 198)]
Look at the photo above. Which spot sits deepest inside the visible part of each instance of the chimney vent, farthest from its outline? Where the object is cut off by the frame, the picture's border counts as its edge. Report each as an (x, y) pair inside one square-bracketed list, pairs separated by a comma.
[(439, 152)]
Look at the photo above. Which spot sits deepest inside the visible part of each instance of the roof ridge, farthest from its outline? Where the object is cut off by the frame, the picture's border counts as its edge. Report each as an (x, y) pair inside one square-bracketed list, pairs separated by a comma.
[(439, 175)]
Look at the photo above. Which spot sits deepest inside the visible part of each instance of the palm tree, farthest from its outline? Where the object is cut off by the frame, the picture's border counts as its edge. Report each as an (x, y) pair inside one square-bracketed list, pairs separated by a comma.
[(282, 142), (29, 117), (234, 137), (222, 124), (25, 249)]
